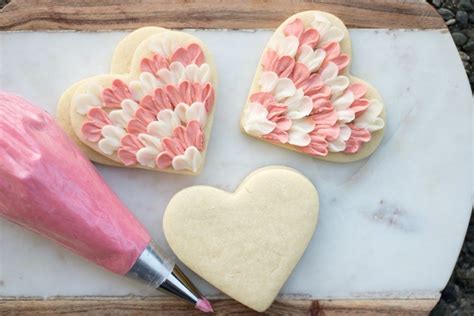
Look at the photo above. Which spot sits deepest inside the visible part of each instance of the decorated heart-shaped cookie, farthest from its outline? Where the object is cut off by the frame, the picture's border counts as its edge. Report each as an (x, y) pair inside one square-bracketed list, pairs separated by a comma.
[(245, 243), (158, 115), (303, 97)]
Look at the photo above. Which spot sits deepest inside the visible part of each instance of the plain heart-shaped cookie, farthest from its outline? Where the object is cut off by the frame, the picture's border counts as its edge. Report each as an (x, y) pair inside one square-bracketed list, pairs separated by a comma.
[(303, 97), (245, 243), (154, 111)]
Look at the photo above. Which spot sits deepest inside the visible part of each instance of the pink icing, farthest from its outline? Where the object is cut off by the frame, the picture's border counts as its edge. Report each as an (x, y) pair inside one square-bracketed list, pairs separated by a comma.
[(324, 113), (182, 138), (48, 186), (162, 98)]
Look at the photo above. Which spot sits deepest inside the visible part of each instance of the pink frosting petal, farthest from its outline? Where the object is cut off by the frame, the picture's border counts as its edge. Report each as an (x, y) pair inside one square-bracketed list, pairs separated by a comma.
[(326, 118), (275, 110), (357, 89), (284, 66), (91, 131), (341, 61), (312, 84), (263, 98), (171, 146), (136, 126), (359, 106), (283, 123), (300, 75), (309, 37), (190, 55), (194, 135), (358, 136), (92, 128), (186, 93), (318, 145), (164, 160), (153, 65), (322, 105), (294, 28), (277, 135), (323, 93), (208, 97), (333, 49), (173, 95), (269, 60), (112, 97), (330, 133), (127, 153)]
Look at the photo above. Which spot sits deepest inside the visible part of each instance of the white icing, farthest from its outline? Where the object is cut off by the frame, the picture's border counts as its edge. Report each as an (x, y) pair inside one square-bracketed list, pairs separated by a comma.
[(255, 120), (195, 112), (311, 58), (280, 88), (195, 73), (342, 105), (121, 117), (111, 141), (286, 45), (174, 74), (330, 78), (146, 84), (190, 160), (167, 121), (339, 144), (83, 102), (147, 155), (298, 134), (327, 32), (370, 119), (165, 45), (299, 105)]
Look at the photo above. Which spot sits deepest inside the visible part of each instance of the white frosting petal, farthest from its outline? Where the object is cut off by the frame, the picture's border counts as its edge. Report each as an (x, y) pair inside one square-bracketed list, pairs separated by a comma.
[(121, 117), (345, 116), (329, 72), (147, 155), (287, 46), (168, 120), (165, 45), (111, 141), (334, 34), (280, 88), (174, 75), (195, 73), (311, 59), (146, 84), (327, 32), (298, 138), (197, 112), (255, 120), (337, 84), (305, 125), (268, 81), (190, 160), (298, 134), (343, 101), (370, 119), (87, 100), (339, 144), (299, 105), (321, 23)]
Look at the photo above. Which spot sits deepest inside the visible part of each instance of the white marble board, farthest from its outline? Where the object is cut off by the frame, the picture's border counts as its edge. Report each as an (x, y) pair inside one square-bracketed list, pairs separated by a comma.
[(391, 226)]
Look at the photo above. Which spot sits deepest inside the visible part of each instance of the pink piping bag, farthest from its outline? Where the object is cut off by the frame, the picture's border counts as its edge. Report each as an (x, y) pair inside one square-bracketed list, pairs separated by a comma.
[(48, 186)]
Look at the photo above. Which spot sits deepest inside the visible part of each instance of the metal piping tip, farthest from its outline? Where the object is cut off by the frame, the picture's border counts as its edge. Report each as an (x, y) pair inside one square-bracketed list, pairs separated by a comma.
[(158, 270), (177, 284)]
